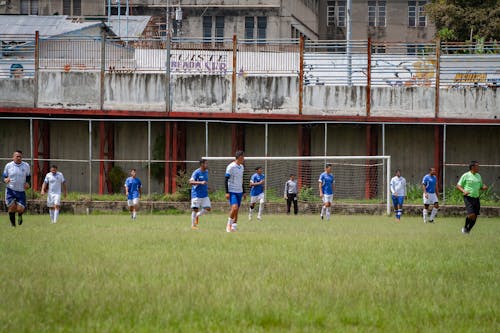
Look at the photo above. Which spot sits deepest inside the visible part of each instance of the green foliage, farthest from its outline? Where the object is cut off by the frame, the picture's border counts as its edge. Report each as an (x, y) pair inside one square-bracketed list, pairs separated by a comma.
[(183, 187), (456, 19), (306, 193), (106, 273), (117, 178)]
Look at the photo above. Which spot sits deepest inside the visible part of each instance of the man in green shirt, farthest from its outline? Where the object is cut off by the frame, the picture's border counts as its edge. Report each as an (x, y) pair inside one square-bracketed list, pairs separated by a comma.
[(470, 184)]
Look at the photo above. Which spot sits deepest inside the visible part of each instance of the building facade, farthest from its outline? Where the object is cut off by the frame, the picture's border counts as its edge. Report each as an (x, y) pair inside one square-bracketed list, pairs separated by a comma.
[(53, 7), (380, 20)]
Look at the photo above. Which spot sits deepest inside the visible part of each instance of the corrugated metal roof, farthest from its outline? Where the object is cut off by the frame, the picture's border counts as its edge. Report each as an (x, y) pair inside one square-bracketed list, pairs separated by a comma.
[(136, 25), (46, 25)]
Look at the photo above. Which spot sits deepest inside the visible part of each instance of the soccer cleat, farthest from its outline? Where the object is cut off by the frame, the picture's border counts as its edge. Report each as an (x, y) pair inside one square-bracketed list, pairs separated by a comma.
[(465, 231), (193, 227), (321, 216), (259, 218), (228, 228), (249, 217), (431, 221), (233, 227)]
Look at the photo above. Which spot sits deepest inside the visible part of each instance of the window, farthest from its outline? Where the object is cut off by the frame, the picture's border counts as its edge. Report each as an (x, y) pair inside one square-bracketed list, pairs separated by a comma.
[(207, 27), (416, 49), (335, 13), (376, 13), (416, 13), (249, 27), (66, 7), (378, 49), (261, 28), (219, 28), (77, 7), (29, 7)]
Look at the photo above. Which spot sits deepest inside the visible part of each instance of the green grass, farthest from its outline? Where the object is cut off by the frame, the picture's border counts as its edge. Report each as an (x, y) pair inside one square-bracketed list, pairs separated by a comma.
[(286, 274)]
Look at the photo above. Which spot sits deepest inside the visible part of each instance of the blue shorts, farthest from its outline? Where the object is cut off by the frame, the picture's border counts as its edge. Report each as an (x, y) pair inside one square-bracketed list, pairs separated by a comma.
[(235, 198), (12, 196), (397, 201)]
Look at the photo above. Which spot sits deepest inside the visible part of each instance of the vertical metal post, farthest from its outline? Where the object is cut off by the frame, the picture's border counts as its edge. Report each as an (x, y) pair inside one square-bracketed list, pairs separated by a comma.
[(348, 42), (326, 140), (36, 146), (37, 69), (266, 153), (103, 68), (31, 153), (168, 147), (384, 182), (233, 80), (90, 159), (369, 77), (444, 164), (206, 138), (149, 165), (301, 75), (167, 76), (175, 155), (102, 140), (438, 77), (388, 190)]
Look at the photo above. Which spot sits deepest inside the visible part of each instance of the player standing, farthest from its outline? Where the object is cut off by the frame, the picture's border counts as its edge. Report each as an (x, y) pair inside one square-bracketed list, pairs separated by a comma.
[(234, 189), (257, 192), (470, 184), (133, 191), (398, 190), (199, 193), (429, 186), (54, 181), (17, 176), (326, 188), (291, 195)]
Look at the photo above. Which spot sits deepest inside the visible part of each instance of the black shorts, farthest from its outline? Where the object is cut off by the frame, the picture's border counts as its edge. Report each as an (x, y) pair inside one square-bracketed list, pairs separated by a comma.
[(472, 205)]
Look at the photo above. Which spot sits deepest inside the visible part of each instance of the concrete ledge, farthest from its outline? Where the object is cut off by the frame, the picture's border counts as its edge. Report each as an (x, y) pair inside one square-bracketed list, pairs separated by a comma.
[(87, 207)]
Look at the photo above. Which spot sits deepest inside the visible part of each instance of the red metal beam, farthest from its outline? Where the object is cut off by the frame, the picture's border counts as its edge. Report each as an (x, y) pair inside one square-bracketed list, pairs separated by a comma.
[(237, 138), (102, 142), (304, 149), (369, 78), (48, 112), (371, 172), (175, 156), (36, 144), (168, 155), (438, 151)]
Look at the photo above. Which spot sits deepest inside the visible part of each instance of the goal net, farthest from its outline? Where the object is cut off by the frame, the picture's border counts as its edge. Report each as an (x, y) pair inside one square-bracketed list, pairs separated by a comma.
[(358, 179)]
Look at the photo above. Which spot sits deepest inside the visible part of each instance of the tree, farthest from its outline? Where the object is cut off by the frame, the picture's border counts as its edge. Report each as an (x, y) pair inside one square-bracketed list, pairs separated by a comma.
[(457, 20)]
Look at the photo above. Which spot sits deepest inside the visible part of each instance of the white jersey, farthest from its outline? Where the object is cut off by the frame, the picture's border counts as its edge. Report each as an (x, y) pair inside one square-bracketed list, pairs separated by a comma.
[(54, 182), (398, 186), (235, 173), (17, 174)]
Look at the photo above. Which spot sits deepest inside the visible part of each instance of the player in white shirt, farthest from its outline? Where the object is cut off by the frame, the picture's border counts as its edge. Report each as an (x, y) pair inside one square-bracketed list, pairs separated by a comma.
[(398, 191), (52, 185), (17, 176), (234, 189)]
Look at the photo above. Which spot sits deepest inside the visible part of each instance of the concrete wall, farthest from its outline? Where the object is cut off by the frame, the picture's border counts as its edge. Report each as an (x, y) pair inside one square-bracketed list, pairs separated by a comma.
[(469, 103), (334, 100), (17, 92), (202, 93), (72, 90), (403, 102)]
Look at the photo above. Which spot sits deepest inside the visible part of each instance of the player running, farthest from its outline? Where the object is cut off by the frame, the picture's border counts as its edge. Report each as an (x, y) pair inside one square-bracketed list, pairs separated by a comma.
[(17, 176), (398, 190), (326, 188), (133, 191), (54, 181), (257, 192), (199, 193), (429, 186), (234, 189)]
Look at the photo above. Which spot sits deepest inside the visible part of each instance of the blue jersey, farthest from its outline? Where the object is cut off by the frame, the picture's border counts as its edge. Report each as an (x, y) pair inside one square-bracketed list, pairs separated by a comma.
[(133, 185), (257, 189), (430, 183), (199, 191), (327, 181)]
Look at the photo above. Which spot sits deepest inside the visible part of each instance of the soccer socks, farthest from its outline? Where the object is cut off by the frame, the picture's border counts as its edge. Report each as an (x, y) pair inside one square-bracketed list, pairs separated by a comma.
[(12, 218), (398, 214), (328, 213), (56, 215), (472, 222), (193, 216), (424, 213), (134, 214), (261, 208), (250, 212), (229, 225), (433, 214), (323, 211), (51, 213)]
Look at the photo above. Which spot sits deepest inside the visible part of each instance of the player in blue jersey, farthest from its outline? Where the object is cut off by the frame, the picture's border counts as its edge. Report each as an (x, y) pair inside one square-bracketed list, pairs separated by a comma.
[(234, 189), (257, 192), (326, 187), (200, 202), (430, 197), (17, 176), (133, 191)]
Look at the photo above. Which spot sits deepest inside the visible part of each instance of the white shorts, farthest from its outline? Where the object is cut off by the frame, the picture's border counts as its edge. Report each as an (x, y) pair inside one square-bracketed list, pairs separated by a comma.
[(200, 203), (133, 202), (431, 199), (258, 198), (327, 198), (53, 199)]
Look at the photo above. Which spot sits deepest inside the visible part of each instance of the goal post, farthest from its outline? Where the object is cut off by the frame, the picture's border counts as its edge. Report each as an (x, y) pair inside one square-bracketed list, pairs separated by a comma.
[(358, 179)]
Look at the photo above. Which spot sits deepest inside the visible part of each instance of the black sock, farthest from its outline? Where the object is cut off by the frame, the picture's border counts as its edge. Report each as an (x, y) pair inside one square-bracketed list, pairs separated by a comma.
[(467, 223), (471, 225), (12, 218)]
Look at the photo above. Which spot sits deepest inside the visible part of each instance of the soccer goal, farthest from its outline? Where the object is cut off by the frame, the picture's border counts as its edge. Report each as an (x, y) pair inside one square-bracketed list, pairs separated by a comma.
[(358, 179)]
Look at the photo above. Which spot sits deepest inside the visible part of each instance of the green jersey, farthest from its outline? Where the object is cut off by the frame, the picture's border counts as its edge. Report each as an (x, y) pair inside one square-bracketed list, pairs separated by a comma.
[(471, 183)]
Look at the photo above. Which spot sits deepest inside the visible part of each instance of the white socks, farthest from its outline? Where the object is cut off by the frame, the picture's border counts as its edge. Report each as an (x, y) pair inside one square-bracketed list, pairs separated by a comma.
[(193, 215), (327, 213), (261, 208), (323, 210), (202, 212), (433, 213), (424, 214), (51, 212), (56, 215)]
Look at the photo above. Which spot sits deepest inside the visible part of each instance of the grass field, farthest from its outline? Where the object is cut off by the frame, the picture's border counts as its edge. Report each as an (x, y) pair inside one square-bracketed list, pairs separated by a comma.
[(105, 273)]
